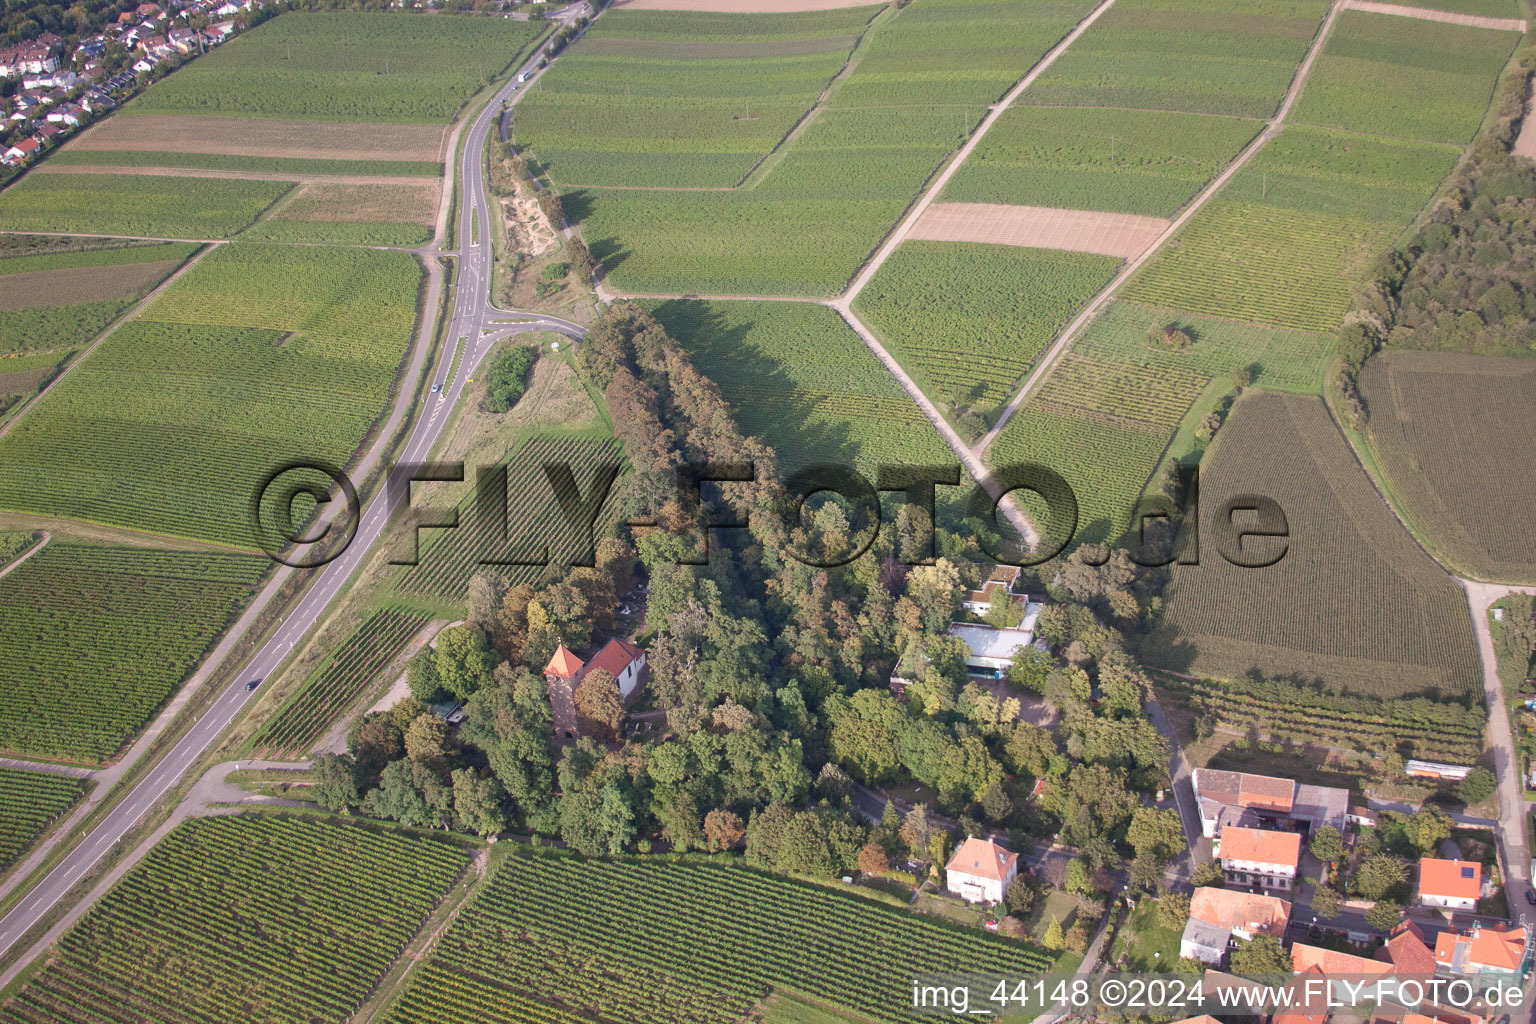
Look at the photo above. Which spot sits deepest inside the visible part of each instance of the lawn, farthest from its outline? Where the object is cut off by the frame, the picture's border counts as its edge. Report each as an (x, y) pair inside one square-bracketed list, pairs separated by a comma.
[(1145, 943), (969, 320), (1090, 158), (1451, 434), (1354, 604), (797, 376), (259, 355)]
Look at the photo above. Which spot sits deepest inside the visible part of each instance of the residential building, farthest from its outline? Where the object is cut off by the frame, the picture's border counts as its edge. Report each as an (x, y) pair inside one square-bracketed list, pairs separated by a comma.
[(980, 871), (1219, 916), (1001, 580), (1262, 857), (21, 151), (1269, 799), (624, 660), (1450, 884), (992, 649), (1495, 954), (1407, 951)]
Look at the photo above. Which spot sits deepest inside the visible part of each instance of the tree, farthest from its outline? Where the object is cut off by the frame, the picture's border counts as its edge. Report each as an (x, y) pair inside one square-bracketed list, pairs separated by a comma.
[(914, 830), (1146, 872), (723, 830), (505, 382), (1392, 767), (995, 803), (421, 676), (1053, 939), (1076, 938), (1173, 910), (1327, 902), (873, 862), (1262, 954), (482, 600), (335, 778), (1019, 897), (1379, 875), (426, 739), (1208, 874), (464, 661), (405, 711), (1427, 828), (1155, 834), (1384, 916), (1077, 876), (1477, 786), (1327, 844), (478, 802), (599, 703)]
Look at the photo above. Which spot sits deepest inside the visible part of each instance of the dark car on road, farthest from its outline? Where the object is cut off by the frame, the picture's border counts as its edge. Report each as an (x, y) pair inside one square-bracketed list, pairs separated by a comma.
[(252, 685)]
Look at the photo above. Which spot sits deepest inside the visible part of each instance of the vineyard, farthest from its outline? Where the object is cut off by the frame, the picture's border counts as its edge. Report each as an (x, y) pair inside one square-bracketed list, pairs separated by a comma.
[(804, 223), (1281, 359), (346, 66), (258, 356), (1106, 463), (688, 116), (796, 376), (97, 638), (398, 215), (72, 156), (968, 320), (262, 919), (63, 300), (130, 204), (1119, 395), (1088, 158), (29, 803), (1354, 604), (1448, 732), (1228, 57), (1451, 435), (358, 662), (669, 942), (448, 558), (1412, 79)]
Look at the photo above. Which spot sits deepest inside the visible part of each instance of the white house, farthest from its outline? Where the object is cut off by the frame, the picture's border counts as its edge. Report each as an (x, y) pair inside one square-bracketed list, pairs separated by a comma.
[(980, 871), (991, 649), (1451, 884), (1256, 856), (624, 660), (1218, 916)]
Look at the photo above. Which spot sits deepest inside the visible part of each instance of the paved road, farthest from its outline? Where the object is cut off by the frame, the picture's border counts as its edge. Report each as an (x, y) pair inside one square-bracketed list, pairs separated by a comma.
[(472, 327)]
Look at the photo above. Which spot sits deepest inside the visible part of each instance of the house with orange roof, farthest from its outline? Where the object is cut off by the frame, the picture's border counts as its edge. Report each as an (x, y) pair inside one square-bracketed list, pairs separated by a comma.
[(1451, 884), (1407, 951), (980, 871), (1221, 795), (1204, 1018), (1257, 856), (1305, 999), (624, 660), (1218, 916), (1333, 962), (1496, 954)]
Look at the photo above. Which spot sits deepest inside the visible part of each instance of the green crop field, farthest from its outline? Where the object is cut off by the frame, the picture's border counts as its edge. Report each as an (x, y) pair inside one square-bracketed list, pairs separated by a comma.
[(346, 66), (1285, 239), (73, 156), (666, 942), (968, 320), (60, 301), (30, 802), (262, 919), (1354, 603), (1223, 57), (258, 356), (1388, 75), (682, 99), (395, 214), (1089, 158), (1106, 461), (1281, 359), (1118, 394), (357, 663), (804, 222), (798, 377), (97, 638), (448, 558), (135, 204), (1452, 434)]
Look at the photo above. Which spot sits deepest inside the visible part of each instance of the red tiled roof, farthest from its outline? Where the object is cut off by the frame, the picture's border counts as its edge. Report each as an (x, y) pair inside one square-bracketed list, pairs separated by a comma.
[(982, 857), (1332, 961), (1249, 911), (616, 656), (1450, 879), (1302, 998), (1407, 952), (1503, 948), (1260, 845), (1266, 791), (563, 664)]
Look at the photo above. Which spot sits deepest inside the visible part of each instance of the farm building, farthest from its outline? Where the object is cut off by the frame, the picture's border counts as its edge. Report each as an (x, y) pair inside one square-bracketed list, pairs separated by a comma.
[(1451, 884), (980, 871), (1223, 797), (1261, 857), (1239, 915)]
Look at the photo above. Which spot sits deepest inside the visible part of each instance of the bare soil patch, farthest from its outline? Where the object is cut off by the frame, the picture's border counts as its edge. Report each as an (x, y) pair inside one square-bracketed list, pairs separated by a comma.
[(1428, 14), (395, 203), (1525, 143), (1125, 235), (80, 284), (528, 230), (743, 6), (252, 136), (208, 172)]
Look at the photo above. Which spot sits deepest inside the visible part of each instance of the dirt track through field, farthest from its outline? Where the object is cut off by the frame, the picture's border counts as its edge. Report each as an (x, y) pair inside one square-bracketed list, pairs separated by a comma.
[(1428, 14), (1125, 235), (743, 6), (1525, 143), (265, 137), (205, 172)]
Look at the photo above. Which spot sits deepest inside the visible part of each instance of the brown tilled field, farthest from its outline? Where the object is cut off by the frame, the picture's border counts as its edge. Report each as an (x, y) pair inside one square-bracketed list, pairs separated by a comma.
[(742, 6), (1124, 235), (251, 136), (398, 204), (80, 284)]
